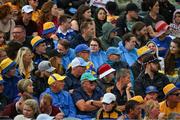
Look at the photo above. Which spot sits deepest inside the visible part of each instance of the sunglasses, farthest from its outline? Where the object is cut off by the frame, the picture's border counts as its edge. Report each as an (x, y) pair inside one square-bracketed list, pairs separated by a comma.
[(176, 94)]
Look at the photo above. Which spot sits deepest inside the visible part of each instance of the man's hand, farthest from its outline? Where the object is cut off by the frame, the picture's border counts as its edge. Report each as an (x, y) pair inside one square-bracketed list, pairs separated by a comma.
[(59, 116)]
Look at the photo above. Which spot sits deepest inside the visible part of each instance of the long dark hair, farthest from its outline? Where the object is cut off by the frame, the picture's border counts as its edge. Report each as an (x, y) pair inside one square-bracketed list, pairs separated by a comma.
[(169, 60)]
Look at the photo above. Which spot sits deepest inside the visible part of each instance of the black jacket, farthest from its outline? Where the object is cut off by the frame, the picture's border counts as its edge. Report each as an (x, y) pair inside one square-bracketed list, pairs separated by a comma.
[(144, 80)]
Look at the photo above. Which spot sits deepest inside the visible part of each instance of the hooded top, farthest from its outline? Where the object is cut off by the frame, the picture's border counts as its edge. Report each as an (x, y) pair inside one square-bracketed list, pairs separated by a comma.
[(98, 22), (128, 56), (107, 28), (175, 27)]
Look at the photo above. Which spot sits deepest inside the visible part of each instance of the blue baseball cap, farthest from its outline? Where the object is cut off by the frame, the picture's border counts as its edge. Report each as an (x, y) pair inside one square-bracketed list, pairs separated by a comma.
[(81, 47), (113, 50), (151, 89)]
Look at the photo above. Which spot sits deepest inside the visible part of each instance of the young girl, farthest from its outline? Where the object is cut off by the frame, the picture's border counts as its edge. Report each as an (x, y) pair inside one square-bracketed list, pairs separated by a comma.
[(2, 41)]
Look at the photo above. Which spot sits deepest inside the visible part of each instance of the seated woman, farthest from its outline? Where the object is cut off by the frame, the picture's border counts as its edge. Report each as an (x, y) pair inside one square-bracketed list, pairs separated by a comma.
[(25, 62), (172, 60)]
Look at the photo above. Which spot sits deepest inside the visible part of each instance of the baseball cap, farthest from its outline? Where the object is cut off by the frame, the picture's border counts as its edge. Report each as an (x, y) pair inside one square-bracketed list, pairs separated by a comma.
[(78, 61), (88, 76), (44, 117), (169, 88), (55, 77), (108, 98), (81, 47), (137, 98), (143, 51), (27, 9), (46, 65), (151, 89), (132, 7), (112, 50)]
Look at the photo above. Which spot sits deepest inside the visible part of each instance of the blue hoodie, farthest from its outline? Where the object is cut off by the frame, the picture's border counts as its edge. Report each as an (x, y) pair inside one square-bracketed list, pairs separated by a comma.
[(127, 56), (98, 58)]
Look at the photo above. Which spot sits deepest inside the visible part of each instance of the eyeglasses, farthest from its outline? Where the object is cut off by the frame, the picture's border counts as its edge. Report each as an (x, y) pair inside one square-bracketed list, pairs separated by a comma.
[(176, 94)]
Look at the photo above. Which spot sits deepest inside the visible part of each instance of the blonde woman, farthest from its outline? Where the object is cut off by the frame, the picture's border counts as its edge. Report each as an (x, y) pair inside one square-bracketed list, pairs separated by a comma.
[(24, 62), (30, 110), (152, 110)]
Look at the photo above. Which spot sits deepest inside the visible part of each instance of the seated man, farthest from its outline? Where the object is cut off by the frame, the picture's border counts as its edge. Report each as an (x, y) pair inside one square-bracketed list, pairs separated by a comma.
[(109, 110), (87, 97), (60, 98), (122, 88), (172, 101)]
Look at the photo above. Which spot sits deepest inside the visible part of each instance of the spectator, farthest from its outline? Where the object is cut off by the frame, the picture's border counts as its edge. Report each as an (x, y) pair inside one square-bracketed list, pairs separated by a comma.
[(3, 98), (76, 68), (153, 16), (151, 110), (125, 22), (49, 35), (3, 54), (100, 17), (127, 48), (166, 9), (41, 76), (171, 102), (174, 26), (114, 58), (64, 30), (47, 107), (106, 77), (140, 30), (108, 110), (132, 110), (2, 41), (30, 110), (122, 88), (19, 36), (15, 108), (97, 54), (87, 97), (67, 53), (151, 77), (25, 87), (162, 39), (151, 93), (154, 48), (172, 59), (56, 61), (138, 67), (10, 77), (39, 50), (49, 13), (109, 37), (83, 13), (24, 62), (83, 51), (7, 24), (87, 33), (36, 12), (26, 21), (61, 98)]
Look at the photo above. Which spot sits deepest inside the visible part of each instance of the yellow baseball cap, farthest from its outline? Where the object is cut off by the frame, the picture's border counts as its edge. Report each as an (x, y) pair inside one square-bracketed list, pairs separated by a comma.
[(169, 88), (55, 77), (138, 99), (36, 41), (6, 65)]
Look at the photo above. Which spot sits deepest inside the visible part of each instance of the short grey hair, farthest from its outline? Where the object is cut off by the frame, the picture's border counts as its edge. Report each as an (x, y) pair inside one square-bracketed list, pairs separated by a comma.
[(123, 72)]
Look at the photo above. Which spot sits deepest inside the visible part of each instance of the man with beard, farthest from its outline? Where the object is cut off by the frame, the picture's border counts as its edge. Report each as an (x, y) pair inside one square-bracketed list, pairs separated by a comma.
[(87, 33), (125, 23), (151, 77)]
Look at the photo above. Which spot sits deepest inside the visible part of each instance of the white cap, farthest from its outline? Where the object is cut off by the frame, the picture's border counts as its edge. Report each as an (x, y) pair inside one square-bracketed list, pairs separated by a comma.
[(27, 9), (108, 98), (44, 117), (46, 66), (78, 61)]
